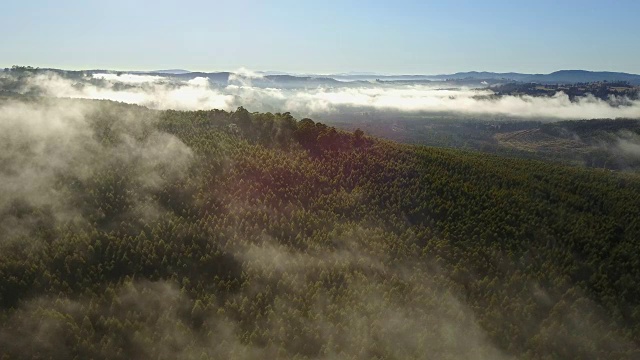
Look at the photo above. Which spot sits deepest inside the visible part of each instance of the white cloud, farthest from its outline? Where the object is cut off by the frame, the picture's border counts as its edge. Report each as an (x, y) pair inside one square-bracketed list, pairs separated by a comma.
[(156, 94), (129, 78), (468, 101), (169, 93)]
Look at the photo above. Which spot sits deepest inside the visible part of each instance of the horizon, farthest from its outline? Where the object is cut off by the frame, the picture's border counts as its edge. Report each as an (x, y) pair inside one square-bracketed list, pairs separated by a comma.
[(320, 180), (410, 37), (268, 72)]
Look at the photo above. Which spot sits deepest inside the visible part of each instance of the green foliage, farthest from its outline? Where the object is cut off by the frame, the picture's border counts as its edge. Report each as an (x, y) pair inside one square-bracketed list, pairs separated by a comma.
[(288, 238)]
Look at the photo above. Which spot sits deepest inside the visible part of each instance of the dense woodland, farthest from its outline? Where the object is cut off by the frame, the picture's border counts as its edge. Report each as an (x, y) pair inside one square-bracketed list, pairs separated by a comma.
[(611, 144), (603, 90), (213, 234)]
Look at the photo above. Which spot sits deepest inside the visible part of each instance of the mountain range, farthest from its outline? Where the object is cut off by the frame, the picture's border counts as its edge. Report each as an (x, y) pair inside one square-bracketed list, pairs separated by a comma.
[(562, 76), (557, 77), (267, 78)]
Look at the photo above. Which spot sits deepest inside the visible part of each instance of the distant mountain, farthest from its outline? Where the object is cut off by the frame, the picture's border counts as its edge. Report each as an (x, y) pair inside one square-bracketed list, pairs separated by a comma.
[(274, 73), (483, 75), (358, 73), (275, 78), (292, 78), (171, 71), (221, 78), (557, 77), (576, 76), (373, 77), (291, 81)]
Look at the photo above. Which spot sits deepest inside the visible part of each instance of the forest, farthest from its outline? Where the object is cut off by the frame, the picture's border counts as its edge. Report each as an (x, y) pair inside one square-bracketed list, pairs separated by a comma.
[(131, 233), (600, 89), (611, 144)]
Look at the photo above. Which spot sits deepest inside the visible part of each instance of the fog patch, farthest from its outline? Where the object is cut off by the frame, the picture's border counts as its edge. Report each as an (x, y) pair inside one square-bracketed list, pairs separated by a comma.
[(165, 92), (149, 320), (129, 78), (420, 98), (343, 299), (59, 159), (159, 93), (628, 143)]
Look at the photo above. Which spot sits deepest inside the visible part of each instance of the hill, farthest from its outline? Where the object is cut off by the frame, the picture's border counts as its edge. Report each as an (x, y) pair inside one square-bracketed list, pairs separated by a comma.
[(131, 233), (599, 143), (171, 71), (557, 77), (471, 78), (582, 76)]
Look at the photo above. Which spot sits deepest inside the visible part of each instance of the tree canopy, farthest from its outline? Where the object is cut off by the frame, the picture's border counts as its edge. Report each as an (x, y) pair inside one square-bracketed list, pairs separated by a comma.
[(213, 234)]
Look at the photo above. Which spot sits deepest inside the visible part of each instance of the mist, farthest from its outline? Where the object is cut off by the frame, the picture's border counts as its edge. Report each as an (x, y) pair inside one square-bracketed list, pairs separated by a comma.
[(628, 143), (161, 92), (51, 150), (92, 185), (57, 159)]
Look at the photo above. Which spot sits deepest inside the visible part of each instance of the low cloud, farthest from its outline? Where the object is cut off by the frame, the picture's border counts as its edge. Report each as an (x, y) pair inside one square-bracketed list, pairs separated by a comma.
[(374, 321), (245, 73), (159, 92), (51, 151), (156, 92), (129, 78), (420, 98), (628, 144)]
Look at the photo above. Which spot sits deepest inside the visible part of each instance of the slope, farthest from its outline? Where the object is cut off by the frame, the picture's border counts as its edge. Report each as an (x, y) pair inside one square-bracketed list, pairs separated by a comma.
[(213, 234)]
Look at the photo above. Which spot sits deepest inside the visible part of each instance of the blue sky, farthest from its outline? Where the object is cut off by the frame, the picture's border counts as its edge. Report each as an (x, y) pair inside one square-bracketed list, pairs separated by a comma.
[(327, 36)]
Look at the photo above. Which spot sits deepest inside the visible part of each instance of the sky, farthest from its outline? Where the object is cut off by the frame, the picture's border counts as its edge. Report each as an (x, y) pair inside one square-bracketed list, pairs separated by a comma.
[(322, 37)]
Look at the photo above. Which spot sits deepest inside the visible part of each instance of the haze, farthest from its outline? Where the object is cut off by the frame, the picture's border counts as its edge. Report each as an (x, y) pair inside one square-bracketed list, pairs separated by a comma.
[(332, 36), (200, 93)]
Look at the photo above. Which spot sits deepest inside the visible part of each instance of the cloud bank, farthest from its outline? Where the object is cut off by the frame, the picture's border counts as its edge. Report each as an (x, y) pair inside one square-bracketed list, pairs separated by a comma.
[(160, 92)]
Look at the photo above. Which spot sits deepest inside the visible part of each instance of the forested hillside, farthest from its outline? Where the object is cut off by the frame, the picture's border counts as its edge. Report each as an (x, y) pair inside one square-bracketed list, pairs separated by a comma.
[(127, 233), (612, 144)]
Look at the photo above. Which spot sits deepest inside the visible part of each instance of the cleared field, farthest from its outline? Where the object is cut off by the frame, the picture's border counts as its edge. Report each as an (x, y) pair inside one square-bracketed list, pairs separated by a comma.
[(535, 140)]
